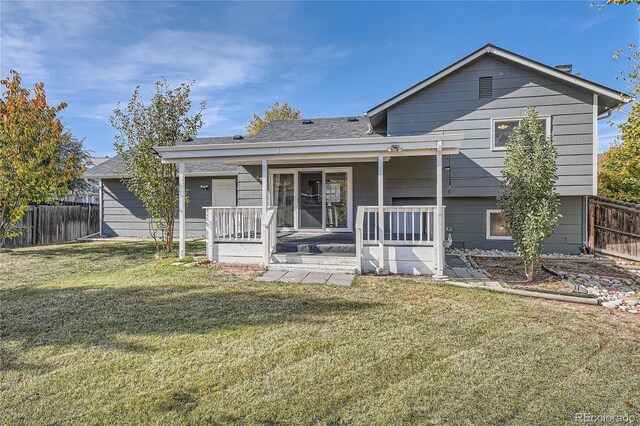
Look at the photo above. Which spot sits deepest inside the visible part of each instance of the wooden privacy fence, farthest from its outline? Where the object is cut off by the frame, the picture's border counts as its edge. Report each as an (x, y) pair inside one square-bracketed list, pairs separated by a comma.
[(614, 228), (44, 224)]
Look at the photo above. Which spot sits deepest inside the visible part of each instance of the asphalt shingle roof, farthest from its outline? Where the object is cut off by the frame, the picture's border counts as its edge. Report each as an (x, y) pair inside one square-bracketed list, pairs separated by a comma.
[(113, 168), (275, 131)]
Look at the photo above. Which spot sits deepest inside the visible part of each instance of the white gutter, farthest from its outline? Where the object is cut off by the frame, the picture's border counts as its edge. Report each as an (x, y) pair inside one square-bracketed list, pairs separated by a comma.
[(316, 150)]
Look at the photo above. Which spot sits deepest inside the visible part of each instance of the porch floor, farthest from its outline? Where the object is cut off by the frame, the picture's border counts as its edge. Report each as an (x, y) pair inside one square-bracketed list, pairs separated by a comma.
[(316, 243), (301, 237)]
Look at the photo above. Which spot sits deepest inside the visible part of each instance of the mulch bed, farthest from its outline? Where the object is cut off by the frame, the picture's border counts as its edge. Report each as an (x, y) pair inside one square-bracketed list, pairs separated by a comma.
[(511, 271)]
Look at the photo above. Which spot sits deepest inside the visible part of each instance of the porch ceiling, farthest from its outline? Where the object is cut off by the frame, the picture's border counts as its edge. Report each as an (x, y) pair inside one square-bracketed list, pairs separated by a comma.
[(357, 149)]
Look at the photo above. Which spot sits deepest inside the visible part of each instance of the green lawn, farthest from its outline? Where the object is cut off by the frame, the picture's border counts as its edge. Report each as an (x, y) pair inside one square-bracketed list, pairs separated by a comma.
[(104, 333)]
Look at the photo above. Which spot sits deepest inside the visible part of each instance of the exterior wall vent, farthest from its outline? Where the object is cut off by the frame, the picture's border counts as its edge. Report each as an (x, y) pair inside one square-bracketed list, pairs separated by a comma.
[(485, 87), (352, 119), (307, 122), (238, 137)]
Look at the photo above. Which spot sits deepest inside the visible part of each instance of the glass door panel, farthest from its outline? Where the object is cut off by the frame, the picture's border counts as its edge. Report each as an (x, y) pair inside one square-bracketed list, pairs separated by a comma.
[(336, 196), (283, 197), (310, 200)]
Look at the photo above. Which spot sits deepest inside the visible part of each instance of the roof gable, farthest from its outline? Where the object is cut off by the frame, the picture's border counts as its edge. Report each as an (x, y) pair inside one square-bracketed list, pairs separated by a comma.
[(611, 97)]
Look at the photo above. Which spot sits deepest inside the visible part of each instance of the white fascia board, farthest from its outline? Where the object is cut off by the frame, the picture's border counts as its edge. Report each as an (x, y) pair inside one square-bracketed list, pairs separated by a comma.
[(333, 149), (403, 95), (500, 53), (431, 137)]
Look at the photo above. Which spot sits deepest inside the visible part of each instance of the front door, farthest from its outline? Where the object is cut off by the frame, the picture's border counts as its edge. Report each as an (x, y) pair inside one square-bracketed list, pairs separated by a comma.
[(223, 192), (311, 198)]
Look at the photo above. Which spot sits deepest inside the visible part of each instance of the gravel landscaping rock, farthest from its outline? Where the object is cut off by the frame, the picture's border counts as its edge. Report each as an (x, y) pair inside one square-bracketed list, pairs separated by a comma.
[(621, 291)]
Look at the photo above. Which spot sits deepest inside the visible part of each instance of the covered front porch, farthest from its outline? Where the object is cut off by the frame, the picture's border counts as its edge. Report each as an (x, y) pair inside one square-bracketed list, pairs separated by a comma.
[(307, 206)]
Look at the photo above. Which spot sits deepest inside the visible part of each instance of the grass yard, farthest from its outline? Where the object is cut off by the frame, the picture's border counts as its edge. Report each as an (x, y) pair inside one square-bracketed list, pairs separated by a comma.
[(102, 333)]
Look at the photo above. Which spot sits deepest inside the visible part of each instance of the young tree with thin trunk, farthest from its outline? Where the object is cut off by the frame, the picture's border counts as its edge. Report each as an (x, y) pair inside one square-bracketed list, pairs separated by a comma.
[(166, 121), (34, 167), (528, 197)]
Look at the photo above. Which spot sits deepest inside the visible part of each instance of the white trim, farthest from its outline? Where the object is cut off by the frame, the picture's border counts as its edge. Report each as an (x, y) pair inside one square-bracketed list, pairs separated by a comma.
[(381, 264), (328, 150), (101, 205), (492, 139), (181, 211), (488, 233), (296, 202), (189, 175), (213, 192), (595, 145), (501, 53)]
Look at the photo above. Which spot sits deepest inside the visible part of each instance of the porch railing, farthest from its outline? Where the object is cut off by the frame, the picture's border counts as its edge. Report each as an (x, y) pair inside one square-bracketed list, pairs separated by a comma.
[(234, 224), (270, 231), (403, 225)]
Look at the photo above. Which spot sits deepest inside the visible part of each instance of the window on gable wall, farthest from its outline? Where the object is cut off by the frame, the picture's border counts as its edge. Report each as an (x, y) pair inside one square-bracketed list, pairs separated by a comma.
[(502, 129)]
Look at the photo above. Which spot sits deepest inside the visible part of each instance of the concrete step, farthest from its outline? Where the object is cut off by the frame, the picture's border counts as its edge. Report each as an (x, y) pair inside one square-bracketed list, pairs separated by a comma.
[(309, 267), (344, 259)]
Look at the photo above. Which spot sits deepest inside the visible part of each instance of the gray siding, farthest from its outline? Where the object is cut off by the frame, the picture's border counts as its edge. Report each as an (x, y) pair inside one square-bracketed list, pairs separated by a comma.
[(453, 105), (411, 181), (467, 218), (124, 214)]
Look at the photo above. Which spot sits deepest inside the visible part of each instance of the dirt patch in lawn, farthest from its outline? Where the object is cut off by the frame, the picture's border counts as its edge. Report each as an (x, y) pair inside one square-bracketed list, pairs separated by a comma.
[(241, 270)]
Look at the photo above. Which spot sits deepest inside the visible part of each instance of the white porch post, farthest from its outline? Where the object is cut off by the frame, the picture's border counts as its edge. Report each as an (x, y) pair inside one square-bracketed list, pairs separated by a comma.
[(439, 231), (101, 205), (181, 211), (265, 187), (381, 269), (266, 238)]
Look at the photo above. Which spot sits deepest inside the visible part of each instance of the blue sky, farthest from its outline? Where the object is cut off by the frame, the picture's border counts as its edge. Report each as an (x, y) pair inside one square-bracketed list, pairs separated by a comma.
[(328, 59)]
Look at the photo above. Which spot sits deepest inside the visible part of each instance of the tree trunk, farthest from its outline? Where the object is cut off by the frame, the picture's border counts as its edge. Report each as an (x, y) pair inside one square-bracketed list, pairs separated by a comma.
[(170, 227), (528, 271)]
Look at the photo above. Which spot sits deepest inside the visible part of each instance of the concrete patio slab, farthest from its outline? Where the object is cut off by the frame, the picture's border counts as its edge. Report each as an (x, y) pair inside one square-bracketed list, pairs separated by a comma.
[(293, 277), (341, 279), (271, 276), (316, 278), (462, 272)]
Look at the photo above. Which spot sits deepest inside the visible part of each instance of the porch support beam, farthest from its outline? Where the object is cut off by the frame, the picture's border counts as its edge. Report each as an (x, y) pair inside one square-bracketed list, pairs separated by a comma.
[(439, 231), (265, 187), (381, 269), (181, 211)]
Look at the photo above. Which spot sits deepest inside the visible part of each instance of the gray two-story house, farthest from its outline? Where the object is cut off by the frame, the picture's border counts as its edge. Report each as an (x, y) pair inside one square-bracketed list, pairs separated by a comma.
[(389, 189)]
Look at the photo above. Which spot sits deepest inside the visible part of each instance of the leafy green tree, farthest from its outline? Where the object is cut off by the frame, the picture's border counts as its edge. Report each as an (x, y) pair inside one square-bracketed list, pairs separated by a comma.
[(71, 153), (528, 197), (619, 170), (32, 167), (275, 111), (166, 121)]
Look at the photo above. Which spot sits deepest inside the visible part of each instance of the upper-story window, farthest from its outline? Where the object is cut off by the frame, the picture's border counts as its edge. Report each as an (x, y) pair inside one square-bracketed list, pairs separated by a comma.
[(502, 129)]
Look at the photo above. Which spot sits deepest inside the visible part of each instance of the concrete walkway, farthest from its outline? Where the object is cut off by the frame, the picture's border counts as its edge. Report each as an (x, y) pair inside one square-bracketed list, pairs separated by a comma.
[(307, 277)]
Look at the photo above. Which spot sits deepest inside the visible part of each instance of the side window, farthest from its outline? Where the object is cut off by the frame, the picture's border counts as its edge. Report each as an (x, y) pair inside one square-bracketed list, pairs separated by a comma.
[(502, 129), (496, 226)]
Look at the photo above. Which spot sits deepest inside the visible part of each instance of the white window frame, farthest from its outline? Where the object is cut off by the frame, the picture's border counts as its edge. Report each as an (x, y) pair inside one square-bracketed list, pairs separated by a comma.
[(547, 119), (494, 237), (296, 202)]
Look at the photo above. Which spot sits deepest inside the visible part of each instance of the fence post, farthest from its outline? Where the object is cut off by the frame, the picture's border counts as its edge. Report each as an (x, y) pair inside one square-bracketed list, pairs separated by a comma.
[(592, 223)]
